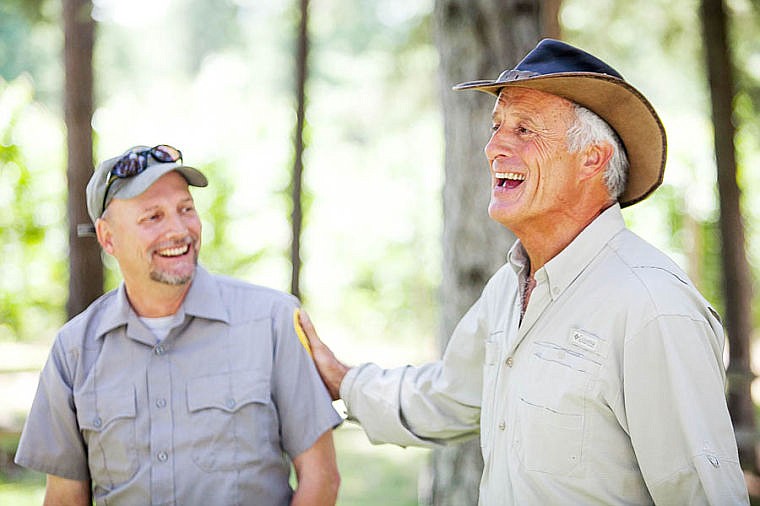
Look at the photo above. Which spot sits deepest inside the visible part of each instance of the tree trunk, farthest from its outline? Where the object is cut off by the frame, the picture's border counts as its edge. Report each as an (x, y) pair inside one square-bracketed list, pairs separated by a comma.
[(550, 19), (736, 272), (85, 264), (476, 39), (302, 54)]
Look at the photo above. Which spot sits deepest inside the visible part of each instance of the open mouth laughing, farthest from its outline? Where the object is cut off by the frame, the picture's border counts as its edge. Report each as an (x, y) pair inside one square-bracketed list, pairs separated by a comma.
[(508, 179)]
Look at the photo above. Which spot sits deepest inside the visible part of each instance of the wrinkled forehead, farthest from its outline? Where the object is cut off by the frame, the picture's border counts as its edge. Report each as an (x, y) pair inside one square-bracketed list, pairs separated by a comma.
[(517, 95), (529, 102)]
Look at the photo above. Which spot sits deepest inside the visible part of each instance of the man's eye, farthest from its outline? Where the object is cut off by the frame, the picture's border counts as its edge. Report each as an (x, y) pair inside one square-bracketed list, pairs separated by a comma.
[(494, 127), (521, 130)]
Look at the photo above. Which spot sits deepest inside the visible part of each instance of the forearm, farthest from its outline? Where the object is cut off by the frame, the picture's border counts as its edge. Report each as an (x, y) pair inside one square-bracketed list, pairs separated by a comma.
[(406, 406), (63, 492), (317, 491), (317, 474)]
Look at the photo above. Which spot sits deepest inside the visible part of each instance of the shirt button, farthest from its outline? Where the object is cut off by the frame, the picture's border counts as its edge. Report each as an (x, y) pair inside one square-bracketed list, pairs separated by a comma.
[(162, 456), (159, 350), (230, 403), (510, 361), (502, 425), (161, 403), (97, 422)]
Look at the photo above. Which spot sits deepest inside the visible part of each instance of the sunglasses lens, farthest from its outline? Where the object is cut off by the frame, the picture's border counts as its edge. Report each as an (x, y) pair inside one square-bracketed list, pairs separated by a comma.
[(165, 153), (133, 163), (129, 165), (136, 162)]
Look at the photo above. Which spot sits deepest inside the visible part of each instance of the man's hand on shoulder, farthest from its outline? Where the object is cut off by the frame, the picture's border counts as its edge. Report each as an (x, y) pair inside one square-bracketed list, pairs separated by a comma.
[(330, 368)]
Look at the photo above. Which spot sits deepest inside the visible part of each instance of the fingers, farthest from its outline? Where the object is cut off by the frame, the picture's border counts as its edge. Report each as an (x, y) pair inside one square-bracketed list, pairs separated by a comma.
[(329, 367), (307, 326)]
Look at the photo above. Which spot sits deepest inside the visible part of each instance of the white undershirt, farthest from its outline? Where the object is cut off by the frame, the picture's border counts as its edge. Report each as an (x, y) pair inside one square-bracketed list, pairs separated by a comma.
[(162, 325)]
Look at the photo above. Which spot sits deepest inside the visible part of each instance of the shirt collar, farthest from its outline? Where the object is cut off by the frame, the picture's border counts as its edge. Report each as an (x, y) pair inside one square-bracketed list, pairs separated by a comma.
[(117, 314), (564, 268), (203, 300)]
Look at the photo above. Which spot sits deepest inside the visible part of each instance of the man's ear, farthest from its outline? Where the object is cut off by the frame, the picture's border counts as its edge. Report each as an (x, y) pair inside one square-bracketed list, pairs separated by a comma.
[(105, 236), (596, 156)]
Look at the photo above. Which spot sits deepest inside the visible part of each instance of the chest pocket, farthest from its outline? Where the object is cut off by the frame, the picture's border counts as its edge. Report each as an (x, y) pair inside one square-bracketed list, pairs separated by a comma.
[(106, 418), (232, 419), (552, 402)]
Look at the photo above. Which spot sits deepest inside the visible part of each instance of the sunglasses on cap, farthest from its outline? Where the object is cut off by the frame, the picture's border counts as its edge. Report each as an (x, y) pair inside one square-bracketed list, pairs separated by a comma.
[(135, 162)]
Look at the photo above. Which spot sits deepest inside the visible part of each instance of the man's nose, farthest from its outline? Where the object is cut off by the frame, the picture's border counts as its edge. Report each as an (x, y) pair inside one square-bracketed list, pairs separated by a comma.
[(498, 145), (175, 225)]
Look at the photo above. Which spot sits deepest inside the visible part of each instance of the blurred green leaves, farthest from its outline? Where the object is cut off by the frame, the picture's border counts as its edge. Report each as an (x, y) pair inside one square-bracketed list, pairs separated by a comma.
[(32, 244), (216, 80)]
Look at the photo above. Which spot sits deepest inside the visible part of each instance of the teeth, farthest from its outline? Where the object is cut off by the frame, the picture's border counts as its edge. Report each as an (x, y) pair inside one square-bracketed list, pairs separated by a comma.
[(174, 252), (510, 175)]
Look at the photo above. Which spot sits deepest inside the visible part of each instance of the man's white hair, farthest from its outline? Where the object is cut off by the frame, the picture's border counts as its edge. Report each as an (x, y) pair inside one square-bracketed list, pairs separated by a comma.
[(588, 128)]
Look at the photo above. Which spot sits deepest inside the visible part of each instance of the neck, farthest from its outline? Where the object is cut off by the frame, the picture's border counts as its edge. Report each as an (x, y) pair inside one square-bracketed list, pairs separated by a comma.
[(157, 300), (545, 240)]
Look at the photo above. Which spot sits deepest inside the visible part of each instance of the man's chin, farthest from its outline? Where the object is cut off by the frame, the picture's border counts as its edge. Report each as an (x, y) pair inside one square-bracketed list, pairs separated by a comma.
[(172, 278), (501, 215)]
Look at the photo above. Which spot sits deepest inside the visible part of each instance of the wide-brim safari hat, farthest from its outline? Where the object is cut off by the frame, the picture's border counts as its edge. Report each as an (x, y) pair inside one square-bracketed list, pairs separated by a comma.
[(568, 72)]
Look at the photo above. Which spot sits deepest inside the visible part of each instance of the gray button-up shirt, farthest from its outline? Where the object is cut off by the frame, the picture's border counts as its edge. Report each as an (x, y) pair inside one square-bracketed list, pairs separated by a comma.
[(206, 416), (609, 391)]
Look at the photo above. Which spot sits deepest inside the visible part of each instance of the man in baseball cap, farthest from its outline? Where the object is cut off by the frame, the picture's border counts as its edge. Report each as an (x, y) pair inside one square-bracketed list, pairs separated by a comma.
[(179, 387), (591, 367)]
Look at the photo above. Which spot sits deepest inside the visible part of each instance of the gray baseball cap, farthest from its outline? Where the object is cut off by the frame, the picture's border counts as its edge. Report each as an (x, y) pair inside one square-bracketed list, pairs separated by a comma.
[(132, 186)]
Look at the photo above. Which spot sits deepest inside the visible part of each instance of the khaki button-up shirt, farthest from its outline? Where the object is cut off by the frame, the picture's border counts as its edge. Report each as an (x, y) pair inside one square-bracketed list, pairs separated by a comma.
[(610, 390), (208, 415)]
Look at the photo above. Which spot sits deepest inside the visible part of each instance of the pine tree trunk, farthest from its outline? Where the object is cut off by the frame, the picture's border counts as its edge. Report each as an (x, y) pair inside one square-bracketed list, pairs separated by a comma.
[(737, 276), (296, 185), (476, 39), (85, 264)]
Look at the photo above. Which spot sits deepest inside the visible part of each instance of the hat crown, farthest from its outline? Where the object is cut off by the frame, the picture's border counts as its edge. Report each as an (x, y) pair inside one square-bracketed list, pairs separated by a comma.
[(555, 57)]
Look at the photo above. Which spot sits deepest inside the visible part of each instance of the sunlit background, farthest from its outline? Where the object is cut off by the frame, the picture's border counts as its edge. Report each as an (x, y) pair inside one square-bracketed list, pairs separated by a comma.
[(215, 79)]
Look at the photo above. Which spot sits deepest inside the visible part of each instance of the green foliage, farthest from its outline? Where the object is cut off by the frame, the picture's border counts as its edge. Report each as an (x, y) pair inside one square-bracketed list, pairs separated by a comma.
[(219, 252), (32, 275), (30, 43), (30, 10), (373, 133)]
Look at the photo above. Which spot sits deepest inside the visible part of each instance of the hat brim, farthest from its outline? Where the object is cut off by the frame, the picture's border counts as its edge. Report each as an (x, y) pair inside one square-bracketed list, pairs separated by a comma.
[(623, 107)]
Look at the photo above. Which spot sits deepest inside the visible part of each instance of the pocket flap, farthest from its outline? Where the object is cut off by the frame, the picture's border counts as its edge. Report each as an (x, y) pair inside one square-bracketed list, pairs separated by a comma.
[(228, 392), (96, 409)]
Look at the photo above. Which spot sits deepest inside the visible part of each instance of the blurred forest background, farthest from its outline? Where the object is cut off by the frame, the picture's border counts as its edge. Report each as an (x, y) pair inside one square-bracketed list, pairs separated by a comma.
[(345, 205)]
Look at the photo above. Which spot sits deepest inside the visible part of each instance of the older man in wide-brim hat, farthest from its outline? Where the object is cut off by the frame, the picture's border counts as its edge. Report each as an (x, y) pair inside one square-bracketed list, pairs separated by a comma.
[(591, 367)]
